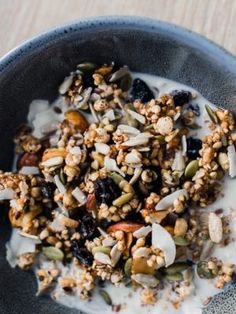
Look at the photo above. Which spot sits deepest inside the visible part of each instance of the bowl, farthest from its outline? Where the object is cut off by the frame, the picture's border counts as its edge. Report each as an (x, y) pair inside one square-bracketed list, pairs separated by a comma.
[(35, 69)]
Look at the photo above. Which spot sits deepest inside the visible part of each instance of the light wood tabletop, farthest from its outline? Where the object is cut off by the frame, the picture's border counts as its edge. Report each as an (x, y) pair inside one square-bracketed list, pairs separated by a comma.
[(23, 19)]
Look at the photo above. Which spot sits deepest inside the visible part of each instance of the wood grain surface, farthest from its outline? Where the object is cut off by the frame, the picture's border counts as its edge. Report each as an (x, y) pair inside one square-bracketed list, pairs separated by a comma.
[(22, 19)]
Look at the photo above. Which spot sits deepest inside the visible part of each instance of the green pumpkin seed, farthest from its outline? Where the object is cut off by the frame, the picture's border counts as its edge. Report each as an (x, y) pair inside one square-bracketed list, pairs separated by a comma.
[(194, 126), (174, 277), (53, 253), (62, 176), (160, 138), (102, 249), (87, 67), (176, 268), (191, 169), (211, 114), (181, 241), (106, 297), (203, 270), (130, 120), (123, 199), (126, 82), (150, 127), (127, 267), (116, 177)]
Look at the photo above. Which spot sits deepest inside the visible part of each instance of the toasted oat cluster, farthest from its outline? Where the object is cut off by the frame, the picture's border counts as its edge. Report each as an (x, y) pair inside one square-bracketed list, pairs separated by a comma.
[(111, 185)]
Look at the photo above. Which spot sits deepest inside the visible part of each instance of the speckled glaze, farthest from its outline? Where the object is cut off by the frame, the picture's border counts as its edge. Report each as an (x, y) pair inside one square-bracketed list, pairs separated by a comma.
[(35, 69)]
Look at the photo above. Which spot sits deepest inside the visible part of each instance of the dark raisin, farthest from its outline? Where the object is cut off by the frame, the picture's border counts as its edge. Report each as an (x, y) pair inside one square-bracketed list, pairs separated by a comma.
[(195, 108), (27, 159), (82, 254), (104, 223), (141, 91), (47, 189), (193, 147), (106, 191), (88, 80), (87, 227), (181, 97)]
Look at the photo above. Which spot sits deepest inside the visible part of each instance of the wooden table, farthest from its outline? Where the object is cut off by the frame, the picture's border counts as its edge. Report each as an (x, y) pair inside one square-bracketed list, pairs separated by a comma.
[(22, 19)]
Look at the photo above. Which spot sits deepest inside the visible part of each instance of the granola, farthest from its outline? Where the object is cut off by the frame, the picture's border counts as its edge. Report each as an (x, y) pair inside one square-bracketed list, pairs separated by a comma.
[(116, 187)]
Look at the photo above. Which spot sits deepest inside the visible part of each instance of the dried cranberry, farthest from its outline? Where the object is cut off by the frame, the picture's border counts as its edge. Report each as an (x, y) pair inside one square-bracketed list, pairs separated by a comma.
[(193, 147), (181, 97), (48, 189), (87, 227), (27, 159), (82, 254), (141, 91), (106, 191)]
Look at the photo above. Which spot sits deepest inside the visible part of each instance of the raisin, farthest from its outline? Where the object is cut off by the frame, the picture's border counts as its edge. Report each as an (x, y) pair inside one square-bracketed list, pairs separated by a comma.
[(48, 190), (88, 80), (193, 147), (82, 254), (181, 97), (27, 159), (106, 191), (87, 227), (141, 91), (104, 223)]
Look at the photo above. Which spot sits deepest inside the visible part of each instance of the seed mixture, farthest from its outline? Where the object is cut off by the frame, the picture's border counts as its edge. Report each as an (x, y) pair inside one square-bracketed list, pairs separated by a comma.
[(111, 184)]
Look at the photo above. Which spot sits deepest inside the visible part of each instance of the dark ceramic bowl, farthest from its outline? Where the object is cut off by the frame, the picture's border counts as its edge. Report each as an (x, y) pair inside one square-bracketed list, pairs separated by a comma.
[(35, 69)]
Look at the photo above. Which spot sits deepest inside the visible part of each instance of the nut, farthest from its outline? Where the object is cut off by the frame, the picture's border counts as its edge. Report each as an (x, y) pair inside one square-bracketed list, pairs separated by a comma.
[(164, 125), (77, 119), (53, 152), (181, 227)]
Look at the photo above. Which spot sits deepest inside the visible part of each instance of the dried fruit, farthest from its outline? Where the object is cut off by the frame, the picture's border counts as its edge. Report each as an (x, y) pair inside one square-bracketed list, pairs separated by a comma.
[(106, 297), (53, 253), (181, 97), (77, 119), (82, 254), (191, 169), (87, 227), (106, 190), (140, 266), (193, 147), (141, 91), (91, 202), (48, 189), (204, 271), (27, 159), (126, 226)]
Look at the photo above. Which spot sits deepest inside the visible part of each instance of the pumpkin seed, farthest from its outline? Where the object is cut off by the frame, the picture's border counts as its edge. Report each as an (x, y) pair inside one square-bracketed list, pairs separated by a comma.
[(130, 120), (106, 297), (174, 277), (127, 267), (119, 74), (176, 268), (149, 127), (194, 126), (123, 199), (191, 169), (62, 176), (126, 82), (116, 177), (211, 114), (102, 249), (53, 253), (181, 241), (203, 270), (87, 67)]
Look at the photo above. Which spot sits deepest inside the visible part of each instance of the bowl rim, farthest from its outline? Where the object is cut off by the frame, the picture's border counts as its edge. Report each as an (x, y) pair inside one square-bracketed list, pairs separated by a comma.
[(189, 37)]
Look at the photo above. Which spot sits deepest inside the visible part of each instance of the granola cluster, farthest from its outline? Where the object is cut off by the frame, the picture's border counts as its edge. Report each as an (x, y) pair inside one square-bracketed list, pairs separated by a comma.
[(116, 185)]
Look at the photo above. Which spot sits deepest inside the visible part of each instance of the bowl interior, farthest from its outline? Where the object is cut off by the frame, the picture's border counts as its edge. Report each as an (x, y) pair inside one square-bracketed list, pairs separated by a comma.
[(36, 69)]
